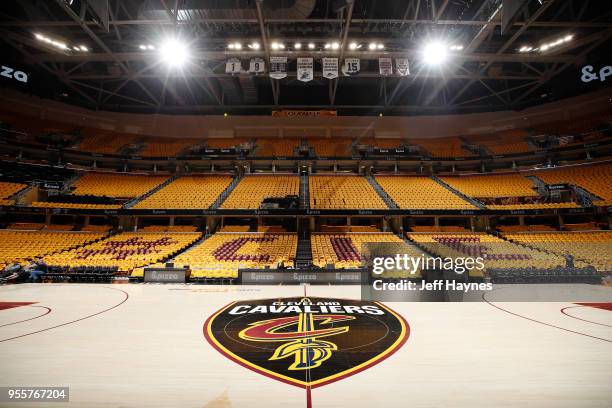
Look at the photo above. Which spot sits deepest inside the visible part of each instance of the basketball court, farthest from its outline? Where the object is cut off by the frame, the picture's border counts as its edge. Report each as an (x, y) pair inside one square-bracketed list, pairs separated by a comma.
[(137, 345)]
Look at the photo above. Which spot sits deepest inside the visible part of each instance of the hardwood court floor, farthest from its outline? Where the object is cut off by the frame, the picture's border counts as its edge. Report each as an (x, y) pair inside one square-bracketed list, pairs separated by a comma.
[(143, 346)]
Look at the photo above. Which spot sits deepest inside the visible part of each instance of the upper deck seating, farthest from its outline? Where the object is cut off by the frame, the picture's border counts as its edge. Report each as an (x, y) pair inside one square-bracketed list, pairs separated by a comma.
[(343, 192), (408, 192), (596, 179), (187, 192), (252, 190)]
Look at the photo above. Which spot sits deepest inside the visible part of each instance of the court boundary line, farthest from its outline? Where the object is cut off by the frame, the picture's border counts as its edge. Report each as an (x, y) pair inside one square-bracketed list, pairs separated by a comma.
[(543, 323), (31, 318), (579, 318), (127, 296)]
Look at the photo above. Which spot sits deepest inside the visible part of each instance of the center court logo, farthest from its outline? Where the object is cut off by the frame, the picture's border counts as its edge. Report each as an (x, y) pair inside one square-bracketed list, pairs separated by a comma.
[(306, 342)]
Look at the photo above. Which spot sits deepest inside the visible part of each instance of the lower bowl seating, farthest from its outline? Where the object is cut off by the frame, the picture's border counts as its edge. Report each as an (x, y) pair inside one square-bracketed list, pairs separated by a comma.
[(125, 251), (347, 250), (497, 253), (15, 246), (222, 254), (587, 247)]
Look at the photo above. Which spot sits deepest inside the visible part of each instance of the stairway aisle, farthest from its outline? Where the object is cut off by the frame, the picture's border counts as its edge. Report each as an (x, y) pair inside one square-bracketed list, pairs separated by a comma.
[(226, 192), (382, 193), (459, 193), (304, 192), (303, 258)]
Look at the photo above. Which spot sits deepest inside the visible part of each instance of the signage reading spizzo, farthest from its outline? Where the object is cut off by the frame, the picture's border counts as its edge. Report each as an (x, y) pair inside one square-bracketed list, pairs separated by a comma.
[(286, 339)]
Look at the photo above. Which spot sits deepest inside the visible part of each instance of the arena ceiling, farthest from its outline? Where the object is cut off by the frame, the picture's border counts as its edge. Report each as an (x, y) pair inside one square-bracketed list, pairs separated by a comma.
[(72, 54)]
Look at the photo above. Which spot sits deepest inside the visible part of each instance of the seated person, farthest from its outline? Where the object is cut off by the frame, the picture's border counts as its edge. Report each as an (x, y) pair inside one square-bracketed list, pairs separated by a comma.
[(13, 273), (36, 268)]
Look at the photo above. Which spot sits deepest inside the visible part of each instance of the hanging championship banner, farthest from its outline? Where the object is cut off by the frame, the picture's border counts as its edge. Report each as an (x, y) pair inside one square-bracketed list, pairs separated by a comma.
[(278, 67), (385, 66), (330, 68), (233, 66), (257, 66), (350, 66), (305, 70), (402, 67)]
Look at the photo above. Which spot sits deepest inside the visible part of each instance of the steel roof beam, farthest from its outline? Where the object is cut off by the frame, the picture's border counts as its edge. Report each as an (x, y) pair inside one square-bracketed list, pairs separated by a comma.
[(356, 22)]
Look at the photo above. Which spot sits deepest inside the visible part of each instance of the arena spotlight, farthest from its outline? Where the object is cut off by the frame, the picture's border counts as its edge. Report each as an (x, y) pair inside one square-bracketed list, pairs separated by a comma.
[(380, 46), (335, 45), (174, 53), (237, 46), (254, 46), (353, 46), (142, 47), (372, 46), (83, 48), (311, 46), (327, 46), (297, 45), (435, 53)]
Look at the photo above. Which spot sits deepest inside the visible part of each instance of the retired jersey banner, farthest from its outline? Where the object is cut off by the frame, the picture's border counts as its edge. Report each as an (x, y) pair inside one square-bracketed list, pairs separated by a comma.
[(402, 66), (351, 66), (233, 66), (286, 113), (385, 66), (257, 66), (330, 68), (305, 70), (278, 67)]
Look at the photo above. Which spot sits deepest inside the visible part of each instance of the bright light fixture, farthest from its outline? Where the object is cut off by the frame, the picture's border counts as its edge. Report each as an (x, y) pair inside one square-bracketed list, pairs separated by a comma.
[(142, 47), (353, 46), (83, 48), (237, 46), (380, 46), (311, 46), (150, 47), (297, 45), (174, 53), (435, 53), (335, 45), (327, 45), (254, 46), (372, 46)]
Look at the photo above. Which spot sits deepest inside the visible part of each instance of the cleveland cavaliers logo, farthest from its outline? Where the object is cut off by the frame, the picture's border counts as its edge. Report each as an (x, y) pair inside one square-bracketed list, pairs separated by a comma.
[(307, 342)]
